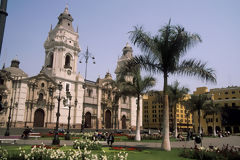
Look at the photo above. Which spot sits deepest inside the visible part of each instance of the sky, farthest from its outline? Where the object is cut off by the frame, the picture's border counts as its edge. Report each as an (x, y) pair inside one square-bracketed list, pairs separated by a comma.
[(104, 25)]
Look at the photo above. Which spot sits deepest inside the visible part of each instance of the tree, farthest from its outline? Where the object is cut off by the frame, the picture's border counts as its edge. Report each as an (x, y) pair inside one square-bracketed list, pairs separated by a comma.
[(213, 108), (176, 95), (197, 103), (163, 53), (134, 85)]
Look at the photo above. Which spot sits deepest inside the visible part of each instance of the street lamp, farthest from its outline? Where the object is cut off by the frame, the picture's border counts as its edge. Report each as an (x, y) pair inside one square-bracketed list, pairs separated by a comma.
[(3, 15), (7, 133), (56, 140), (85, 56), (69, 97)]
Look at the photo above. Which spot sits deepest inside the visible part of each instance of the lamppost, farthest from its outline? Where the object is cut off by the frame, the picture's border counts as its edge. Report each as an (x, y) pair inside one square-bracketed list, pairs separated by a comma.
[(86, 56), (50, 90), (56, 140), (3, 15), (7, 133), (69, 97)]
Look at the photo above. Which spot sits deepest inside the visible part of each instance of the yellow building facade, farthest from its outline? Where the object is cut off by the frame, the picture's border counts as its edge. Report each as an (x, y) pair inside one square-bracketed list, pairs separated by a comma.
[(228, 98), (153, 113)]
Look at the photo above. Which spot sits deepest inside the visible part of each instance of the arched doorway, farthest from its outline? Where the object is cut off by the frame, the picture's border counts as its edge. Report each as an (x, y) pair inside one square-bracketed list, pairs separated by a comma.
[(210, 130), (108, 119), (88, 120), (38, 118), (124, 126)]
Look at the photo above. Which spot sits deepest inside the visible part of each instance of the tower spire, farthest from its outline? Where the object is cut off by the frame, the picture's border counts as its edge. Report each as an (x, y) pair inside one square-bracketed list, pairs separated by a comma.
[(66, 9)]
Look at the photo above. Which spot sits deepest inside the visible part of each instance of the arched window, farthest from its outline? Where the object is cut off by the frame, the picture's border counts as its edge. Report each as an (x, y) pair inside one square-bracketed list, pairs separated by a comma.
[(67, 62), (40, 97), (50, 62), (1, 81)]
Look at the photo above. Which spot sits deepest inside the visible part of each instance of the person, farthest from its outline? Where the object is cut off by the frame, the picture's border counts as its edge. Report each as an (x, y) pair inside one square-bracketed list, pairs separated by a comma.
[(180, 137), (110, 140), (26, 133)]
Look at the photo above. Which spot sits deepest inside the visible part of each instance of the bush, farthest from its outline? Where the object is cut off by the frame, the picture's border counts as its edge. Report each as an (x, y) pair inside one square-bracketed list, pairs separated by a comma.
[(42, 153), (212, 153), (87, 144), (3, 153)]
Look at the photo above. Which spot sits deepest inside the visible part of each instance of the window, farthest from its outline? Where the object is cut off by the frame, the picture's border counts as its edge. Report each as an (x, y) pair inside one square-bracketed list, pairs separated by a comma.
[(67, 87), (233, 92), (42, 85), (40, 97), (233, 104), (219, 98), (226, 92), (50, 64), (67, 62), (124, 98), (1, 81), (233, 97), (89, 92), (226, 105), (226, 98), (216, 119)]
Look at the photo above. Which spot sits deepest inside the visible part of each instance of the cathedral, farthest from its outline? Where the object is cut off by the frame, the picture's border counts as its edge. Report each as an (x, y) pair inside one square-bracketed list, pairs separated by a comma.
[(60, 91)]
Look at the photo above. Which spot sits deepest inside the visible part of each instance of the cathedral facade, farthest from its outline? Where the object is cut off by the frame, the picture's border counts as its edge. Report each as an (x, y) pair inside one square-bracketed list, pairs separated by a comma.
[(34, 101)]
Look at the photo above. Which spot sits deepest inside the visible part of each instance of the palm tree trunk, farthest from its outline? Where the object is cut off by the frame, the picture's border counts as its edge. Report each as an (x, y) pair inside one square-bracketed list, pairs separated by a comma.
[(138, 135), (175, 121), (199, 122), (214, 129), (166, 141)]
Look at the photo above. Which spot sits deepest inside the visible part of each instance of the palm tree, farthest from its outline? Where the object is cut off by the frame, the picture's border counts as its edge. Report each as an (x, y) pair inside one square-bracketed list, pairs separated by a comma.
[(197, 103), (163, 53), (176, 95), (213, 108), (134, 85)]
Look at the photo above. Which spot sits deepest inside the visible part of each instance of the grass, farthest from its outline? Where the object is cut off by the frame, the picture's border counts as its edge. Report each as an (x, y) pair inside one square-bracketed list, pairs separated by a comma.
[(149, 154)]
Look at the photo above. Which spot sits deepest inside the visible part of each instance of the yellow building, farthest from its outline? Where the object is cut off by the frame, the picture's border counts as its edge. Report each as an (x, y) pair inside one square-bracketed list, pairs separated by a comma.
[(153, 113), (228, 98), (225, 97)]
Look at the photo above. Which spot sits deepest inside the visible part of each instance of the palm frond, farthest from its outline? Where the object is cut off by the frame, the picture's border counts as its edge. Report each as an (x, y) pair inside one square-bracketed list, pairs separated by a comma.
[(142, 39), (193, 67)]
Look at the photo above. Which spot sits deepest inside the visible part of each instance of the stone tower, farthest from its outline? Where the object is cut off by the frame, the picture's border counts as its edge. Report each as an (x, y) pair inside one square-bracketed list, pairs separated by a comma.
[(127, 54), (62, 49)]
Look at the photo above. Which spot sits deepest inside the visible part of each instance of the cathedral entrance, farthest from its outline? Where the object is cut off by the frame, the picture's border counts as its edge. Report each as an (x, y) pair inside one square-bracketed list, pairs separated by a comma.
[(88, 120), (124, 126), (38, 118), (108, 119)]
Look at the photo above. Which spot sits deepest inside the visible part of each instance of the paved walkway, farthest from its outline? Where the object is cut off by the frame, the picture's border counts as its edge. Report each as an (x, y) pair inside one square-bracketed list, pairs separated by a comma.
[(219, 142)]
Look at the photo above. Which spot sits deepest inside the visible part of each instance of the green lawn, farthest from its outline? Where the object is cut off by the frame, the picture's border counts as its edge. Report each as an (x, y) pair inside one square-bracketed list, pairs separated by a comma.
[(145, 154)]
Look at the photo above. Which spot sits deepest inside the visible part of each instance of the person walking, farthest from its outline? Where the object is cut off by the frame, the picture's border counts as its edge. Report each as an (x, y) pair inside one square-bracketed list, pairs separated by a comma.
[(110, 140)]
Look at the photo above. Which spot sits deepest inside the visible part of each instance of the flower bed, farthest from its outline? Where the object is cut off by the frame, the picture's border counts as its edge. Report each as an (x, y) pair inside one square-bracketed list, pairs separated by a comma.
[(146, 137), (47, 146), (40, 152), (51, 134), (126, 148), (87, 144), (212, 153)]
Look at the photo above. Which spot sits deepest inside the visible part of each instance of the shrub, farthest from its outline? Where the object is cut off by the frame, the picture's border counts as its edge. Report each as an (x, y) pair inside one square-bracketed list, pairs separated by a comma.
[(87, 144), (42, 153), (212, 153), (3, 153)]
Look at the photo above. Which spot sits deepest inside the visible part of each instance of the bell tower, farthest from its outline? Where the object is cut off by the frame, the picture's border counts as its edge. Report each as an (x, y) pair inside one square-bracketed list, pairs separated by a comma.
[(62, 48), (127, 54)]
